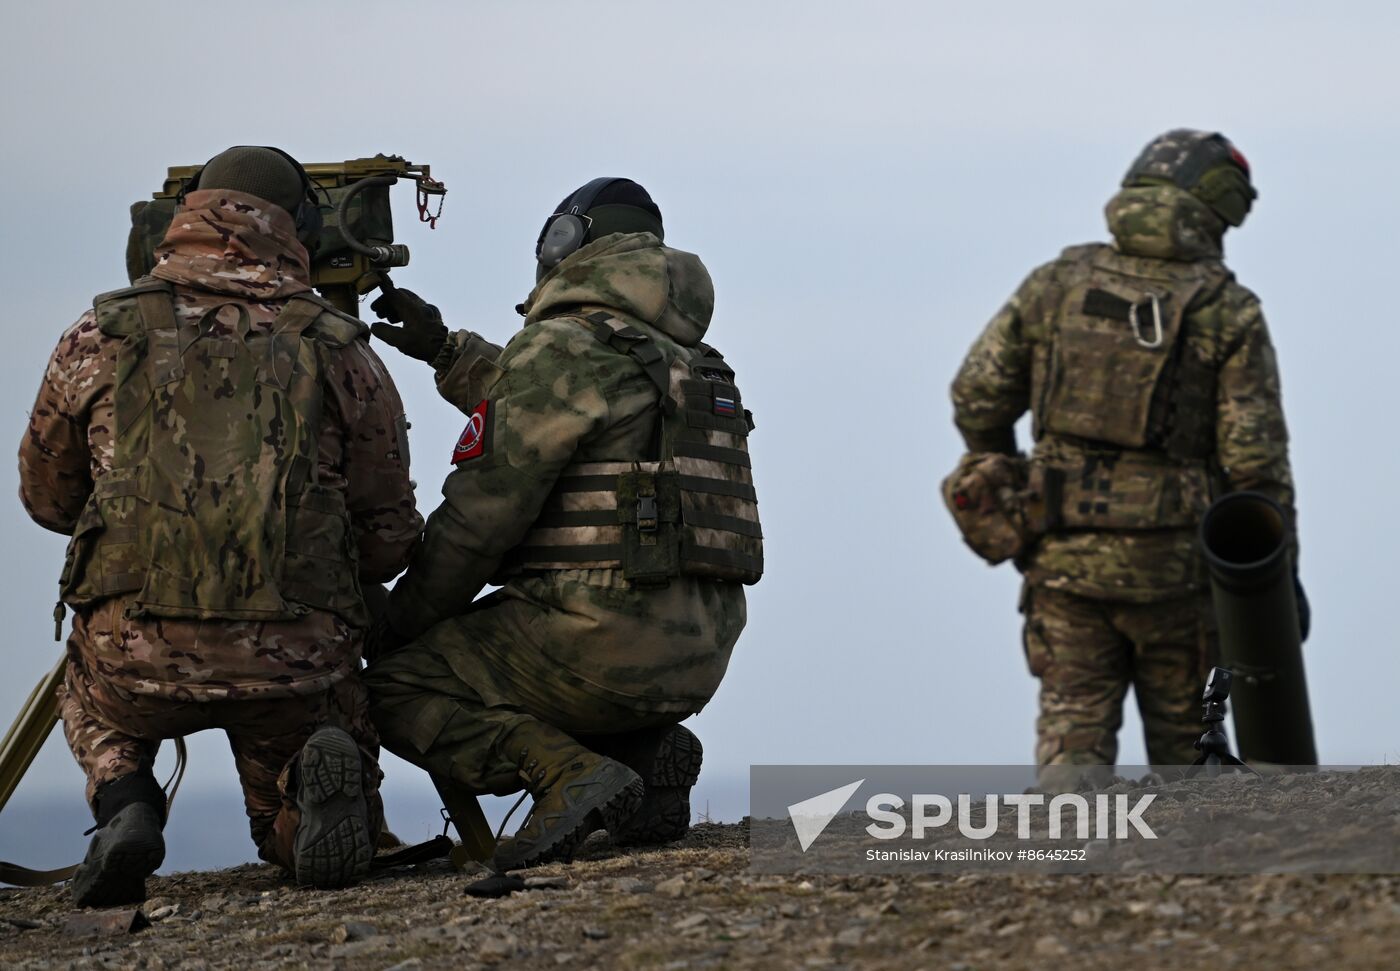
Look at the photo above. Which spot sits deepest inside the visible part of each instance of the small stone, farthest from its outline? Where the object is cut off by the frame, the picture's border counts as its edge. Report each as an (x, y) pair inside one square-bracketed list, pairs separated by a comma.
[(1170, 909), (352, 930), (1084, 917), (496, 885), (412, 964), (631, 885), (890, 909), (546, 883), (850, 937), (563, 957), (674, 887), (160, 913), (691, 922), (596, 933), (1050, 946), (497, 948), (700, 874), (789, 910), (1011, 929)]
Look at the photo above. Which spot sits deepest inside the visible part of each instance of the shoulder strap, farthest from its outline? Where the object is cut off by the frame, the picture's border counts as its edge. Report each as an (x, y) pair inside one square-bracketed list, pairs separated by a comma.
[(626, 339), (330, 326), (145, 306), (145, 284)]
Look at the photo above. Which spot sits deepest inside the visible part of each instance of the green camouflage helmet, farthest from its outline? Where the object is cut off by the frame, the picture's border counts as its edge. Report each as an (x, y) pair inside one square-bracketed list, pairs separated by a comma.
[(1203, 163)]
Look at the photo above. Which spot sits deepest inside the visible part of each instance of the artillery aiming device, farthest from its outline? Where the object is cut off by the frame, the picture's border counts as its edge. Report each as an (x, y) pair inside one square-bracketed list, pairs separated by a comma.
[(355, 247), (1247, 540)]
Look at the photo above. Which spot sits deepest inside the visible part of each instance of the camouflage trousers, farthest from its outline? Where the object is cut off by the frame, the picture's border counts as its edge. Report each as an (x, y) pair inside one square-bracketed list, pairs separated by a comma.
[(1087, 653), (458, 700), (113, 732)]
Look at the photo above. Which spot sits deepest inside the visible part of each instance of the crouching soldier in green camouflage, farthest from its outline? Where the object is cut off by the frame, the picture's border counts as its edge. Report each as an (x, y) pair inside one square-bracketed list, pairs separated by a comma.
[(603, 478), (225, 450), (1152, 387)]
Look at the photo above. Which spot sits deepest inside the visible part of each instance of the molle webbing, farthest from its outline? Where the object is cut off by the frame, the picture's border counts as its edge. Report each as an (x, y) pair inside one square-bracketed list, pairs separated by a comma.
[(1121, 490), (690, 509)]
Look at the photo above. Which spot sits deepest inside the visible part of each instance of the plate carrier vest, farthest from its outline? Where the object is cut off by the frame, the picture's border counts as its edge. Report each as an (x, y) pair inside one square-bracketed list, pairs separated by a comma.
[(689, 510), (1119, 382)]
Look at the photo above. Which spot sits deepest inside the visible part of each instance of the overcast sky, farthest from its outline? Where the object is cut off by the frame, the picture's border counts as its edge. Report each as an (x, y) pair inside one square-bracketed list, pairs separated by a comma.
[(867, 183)]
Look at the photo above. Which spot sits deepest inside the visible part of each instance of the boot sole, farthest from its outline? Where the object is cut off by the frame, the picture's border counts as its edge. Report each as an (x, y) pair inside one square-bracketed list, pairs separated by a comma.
[(333, 846), (116, 873), (616, 802), (664, 815)]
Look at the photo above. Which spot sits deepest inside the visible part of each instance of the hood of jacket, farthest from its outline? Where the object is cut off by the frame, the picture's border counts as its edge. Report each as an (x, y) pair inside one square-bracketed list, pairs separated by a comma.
[(632, 274), (1164, 222), (230, 242)]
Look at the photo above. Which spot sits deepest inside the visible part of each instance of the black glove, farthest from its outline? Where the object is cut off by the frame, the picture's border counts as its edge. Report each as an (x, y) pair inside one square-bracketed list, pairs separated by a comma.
[(381, 639), (1304, 608), (423, 333)]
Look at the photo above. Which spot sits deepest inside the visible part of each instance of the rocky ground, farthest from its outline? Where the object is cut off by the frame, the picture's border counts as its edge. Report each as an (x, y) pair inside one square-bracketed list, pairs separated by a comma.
[(698, 905)]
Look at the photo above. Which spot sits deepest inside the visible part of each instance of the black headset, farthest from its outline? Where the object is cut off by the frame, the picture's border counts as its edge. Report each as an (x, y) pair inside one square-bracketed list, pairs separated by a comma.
[(308, 212), (564, 232)]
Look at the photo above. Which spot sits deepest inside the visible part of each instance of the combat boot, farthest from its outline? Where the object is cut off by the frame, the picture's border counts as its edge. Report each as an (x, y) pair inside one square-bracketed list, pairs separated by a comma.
[(333, 845), (668, 760), (128, 845), (575, 791)]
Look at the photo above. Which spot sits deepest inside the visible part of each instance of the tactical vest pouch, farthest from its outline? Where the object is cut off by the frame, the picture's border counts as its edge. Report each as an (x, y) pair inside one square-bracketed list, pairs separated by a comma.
[(1127, 491), (649, 508), (991, 501), (1113, 341)]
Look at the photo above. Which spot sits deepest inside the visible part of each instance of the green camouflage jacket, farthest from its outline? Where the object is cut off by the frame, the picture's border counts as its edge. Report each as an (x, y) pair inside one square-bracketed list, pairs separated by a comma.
[(556, 396), (1225, 333)]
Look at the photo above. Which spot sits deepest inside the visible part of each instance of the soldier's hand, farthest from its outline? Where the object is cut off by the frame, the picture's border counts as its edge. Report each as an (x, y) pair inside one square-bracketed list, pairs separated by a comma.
[(423, 333)]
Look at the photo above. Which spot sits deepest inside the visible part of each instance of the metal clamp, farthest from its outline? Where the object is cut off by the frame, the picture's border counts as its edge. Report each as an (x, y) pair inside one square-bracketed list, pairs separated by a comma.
[(1156, 341)]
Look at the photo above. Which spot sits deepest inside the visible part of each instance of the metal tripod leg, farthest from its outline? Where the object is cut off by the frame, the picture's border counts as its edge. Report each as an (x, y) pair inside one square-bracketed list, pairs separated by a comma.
[(478, 842), (29, 731)]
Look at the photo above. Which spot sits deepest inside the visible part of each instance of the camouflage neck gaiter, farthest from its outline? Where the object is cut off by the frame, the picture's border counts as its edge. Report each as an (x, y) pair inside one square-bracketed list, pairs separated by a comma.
[(231, 242), (1164, 222)]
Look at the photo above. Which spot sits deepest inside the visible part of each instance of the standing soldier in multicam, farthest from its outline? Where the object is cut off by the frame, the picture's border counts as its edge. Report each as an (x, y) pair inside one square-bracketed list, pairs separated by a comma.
[(227, 453), (1152, 387), (603, 478)]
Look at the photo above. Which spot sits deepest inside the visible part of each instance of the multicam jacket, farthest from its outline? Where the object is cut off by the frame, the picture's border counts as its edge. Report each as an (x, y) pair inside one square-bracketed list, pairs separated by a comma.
[(233, 261), (562, 410), (1152, 386)]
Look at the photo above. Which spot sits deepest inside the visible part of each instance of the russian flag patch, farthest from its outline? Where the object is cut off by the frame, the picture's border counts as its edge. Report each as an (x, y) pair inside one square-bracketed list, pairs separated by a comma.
[(726, 407)]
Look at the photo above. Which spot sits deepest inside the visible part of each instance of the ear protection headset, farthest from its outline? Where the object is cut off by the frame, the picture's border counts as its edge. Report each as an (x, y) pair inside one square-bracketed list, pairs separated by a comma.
[(308, 212), (564, 232)]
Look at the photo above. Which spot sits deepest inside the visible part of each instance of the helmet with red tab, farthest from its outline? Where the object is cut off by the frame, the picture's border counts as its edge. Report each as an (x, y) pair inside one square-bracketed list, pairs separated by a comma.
[(1204, 164)]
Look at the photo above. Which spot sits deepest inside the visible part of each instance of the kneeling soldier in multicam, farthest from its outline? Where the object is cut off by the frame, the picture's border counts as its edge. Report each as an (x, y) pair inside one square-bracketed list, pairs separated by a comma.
[(1152, 387), (226, 452), (603, 478)]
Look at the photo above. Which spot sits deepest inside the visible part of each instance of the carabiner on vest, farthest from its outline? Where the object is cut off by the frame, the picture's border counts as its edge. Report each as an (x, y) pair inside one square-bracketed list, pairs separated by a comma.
[(1156, 341)]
